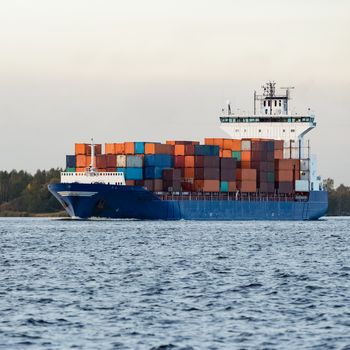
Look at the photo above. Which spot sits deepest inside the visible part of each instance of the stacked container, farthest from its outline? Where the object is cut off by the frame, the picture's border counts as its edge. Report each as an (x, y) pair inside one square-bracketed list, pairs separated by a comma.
[(220, 165)]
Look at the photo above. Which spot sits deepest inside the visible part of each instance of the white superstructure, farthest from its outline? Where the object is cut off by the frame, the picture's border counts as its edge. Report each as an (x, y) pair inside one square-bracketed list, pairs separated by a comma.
[(91, 176), (272, 120)]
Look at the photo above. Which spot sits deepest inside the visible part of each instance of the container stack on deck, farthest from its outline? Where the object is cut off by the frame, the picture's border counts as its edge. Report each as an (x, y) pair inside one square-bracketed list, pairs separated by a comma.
[(220, 165)]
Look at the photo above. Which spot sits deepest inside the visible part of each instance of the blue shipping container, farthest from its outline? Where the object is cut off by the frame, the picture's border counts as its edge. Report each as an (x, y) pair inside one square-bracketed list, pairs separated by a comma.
[(152, 172), (121, 170), (70, 161), (159, 160), (224, 186), (206, 150), (139, 147), (133, 174)]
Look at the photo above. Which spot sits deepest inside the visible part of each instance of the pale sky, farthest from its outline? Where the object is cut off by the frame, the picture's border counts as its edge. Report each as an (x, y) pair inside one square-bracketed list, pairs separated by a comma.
[(160, 69)]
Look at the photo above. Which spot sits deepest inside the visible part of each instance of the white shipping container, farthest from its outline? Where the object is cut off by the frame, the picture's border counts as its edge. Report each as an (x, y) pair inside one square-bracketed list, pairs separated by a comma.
[(301, 185), (121, 161), (286, 153), (304, 165), (246, 145)]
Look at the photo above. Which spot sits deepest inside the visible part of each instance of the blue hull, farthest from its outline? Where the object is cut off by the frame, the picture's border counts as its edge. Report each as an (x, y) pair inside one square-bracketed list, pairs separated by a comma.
[(132, 202)]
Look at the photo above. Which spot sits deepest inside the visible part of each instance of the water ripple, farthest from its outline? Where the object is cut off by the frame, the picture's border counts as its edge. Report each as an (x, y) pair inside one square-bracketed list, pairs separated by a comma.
[(174, 285)]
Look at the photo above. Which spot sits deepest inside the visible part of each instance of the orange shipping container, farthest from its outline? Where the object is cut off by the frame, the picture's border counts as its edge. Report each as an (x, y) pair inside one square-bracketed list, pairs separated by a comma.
[(129, 147), (218, 142), (236, 145), (130, 182), (246, 174), (246, 156), (80, 170), (278, 154), (245, 165), (209, 141), (188, 173), (207, 185), (81, 161), (119, 148), (226, 153), (81, 148), (246, 186), (232, 186), (189, 161), (170, 142), (227, 144), (284, 175), (109, 148), (287, 164), (179, 150)]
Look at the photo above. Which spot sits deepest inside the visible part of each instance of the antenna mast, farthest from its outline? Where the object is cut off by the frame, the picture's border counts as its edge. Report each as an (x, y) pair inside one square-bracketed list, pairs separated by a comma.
[(287, 88)]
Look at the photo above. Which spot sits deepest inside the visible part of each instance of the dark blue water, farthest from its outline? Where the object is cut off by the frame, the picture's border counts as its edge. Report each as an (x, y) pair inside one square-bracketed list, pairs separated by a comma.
[(174, 285)]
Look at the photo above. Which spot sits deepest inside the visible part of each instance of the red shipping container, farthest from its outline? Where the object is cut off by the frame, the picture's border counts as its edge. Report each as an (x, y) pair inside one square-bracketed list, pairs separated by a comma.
[(187, 186), (278, 145), (189, 150), (179, 161), (130, 182), (111, 161), (101, 161), (111, 170), (207, 173)]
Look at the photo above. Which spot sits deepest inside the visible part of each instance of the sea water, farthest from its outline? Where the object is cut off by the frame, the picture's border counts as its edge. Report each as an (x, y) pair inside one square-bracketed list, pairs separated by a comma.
[(174, 285)]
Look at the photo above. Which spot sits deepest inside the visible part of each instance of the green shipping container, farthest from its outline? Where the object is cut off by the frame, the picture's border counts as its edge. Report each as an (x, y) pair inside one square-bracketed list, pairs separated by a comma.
[(70, 170), (236, 154), (224, 186)]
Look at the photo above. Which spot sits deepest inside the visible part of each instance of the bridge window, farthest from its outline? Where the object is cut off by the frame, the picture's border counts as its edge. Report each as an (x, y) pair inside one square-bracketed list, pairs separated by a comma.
[(292, 130), (275, 103), (264, 103), (280, 103), (265, 111)]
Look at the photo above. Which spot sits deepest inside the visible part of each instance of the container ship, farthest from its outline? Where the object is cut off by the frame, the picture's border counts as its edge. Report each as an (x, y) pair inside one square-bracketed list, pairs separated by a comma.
[(262, 171)]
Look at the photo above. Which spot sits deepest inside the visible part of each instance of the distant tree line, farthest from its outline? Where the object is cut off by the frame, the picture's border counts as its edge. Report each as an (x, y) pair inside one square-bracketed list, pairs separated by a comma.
[(25, 194), (339, 198)]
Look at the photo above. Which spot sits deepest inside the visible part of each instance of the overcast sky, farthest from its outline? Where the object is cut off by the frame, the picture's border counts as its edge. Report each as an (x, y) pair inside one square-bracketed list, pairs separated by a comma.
[(161, 69)]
